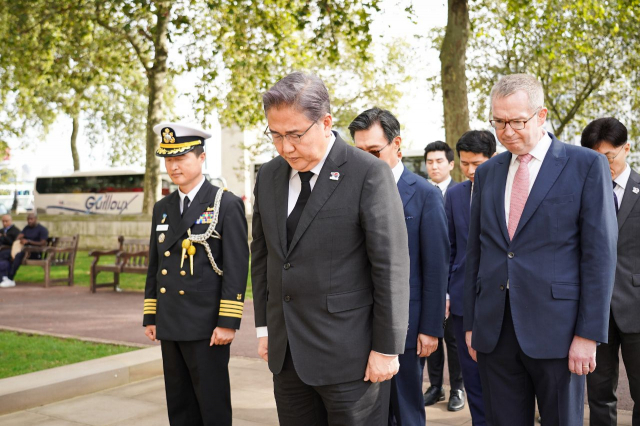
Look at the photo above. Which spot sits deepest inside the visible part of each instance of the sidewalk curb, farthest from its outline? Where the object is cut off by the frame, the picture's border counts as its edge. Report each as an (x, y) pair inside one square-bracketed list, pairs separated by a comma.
[(56, 384)]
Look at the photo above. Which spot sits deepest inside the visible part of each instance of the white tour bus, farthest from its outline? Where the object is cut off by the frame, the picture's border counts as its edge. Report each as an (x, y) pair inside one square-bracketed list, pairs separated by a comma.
[(103, 192), (22, 191)]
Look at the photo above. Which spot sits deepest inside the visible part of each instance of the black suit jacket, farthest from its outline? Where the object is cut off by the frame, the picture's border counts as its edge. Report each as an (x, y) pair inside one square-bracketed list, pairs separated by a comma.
[(626, 290), (342, 287), (8, 238), (188, 307)]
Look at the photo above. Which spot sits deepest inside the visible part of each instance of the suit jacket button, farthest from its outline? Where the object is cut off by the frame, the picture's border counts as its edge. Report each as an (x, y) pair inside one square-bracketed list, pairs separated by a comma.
[(163, 290), (511, 255), (287, 266), (167, 253), (164, 272), (181, 292), (287, 298)]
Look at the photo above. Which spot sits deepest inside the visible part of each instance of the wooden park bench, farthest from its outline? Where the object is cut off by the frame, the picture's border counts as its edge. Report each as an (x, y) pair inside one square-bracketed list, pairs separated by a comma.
[(59, 251), (132, 257)]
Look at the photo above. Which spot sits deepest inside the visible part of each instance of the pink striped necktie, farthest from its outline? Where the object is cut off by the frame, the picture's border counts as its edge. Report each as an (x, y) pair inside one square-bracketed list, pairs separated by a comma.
[(519, 193)]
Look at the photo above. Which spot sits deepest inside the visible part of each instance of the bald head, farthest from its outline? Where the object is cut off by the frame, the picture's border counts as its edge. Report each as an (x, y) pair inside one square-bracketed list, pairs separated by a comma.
[(6, 221)]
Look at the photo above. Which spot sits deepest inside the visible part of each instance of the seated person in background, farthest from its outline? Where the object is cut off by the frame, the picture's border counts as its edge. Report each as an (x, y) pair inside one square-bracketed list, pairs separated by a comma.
[(8, 234), (33, 234)]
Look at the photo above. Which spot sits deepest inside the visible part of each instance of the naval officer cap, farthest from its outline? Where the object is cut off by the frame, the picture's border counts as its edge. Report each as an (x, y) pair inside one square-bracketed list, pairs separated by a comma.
[(178, 139)]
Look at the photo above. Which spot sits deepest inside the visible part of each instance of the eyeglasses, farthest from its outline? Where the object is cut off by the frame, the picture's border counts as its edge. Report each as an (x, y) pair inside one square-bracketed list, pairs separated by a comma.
[(515, 124), (610, 159), (291, 137), (376, 153)]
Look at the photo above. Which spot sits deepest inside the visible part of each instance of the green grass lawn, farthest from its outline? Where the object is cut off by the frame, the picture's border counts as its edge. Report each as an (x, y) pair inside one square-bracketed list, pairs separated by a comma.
[(129, 282), (25, 353)]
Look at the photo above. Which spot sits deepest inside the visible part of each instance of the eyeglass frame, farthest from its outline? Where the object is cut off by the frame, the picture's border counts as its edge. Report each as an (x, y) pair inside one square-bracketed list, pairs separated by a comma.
[(612, 159), (377, 152), (287, 136), (524, 122)]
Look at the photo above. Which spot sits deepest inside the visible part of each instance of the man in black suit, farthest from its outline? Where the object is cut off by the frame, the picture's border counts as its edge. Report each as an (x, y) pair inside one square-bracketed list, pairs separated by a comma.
[(608, 136), (197, 276), (329, 266), (439, 160)]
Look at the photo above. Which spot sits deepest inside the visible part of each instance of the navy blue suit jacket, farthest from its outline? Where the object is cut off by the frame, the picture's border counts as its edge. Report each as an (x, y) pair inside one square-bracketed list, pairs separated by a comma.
[(561, 262), (457, 206), (429, 252)]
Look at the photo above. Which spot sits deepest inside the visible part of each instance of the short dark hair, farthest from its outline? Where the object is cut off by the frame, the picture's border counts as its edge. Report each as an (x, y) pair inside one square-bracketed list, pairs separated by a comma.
[(387, 121), (477, 141), (607, 129), (439, 146), (198, 150)]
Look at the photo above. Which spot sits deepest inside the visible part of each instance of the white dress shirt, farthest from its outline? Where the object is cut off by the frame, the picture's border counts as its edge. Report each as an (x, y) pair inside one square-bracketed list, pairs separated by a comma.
[(621, 184), (397, 171), (192, 194), (538, 153), (295, 186), (442, 186)]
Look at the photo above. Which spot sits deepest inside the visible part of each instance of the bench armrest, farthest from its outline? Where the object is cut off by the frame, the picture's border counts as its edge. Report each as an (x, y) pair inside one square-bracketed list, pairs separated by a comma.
[(98, 253)]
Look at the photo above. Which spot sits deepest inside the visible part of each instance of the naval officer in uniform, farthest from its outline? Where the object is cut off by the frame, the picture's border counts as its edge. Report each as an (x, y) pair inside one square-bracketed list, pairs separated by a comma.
[(197, 277)]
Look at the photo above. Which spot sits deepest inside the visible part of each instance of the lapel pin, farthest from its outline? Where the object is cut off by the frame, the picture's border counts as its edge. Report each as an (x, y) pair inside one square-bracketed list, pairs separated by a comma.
[(164, 217), (334, 176), (635, 190)]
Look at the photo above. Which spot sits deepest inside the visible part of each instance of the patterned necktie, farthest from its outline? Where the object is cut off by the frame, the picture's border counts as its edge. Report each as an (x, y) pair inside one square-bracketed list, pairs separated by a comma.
[(185, 205), (294, 217), (615, 197), (519, 193)]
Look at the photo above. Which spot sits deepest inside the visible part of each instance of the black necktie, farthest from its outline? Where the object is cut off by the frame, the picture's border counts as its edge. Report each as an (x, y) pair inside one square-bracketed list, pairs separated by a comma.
[(615, 197), (294, 217), (185, 205)]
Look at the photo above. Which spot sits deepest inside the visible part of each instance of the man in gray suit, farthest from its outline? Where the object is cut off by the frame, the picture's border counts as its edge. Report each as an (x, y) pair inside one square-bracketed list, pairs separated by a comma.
[(330, 266), (608, 136)]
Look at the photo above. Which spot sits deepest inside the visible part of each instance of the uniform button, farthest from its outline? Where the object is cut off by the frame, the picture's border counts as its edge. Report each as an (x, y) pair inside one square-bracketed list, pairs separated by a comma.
[(287, 298), (510, 255), (167, 253), (501, 287), (164, 272), (163, 290), (181, 292), (183, 273), (287, 266)]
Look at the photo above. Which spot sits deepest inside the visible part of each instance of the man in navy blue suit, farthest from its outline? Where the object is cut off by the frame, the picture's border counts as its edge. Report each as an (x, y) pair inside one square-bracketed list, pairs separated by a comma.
[(474, 148), (541, 258), (378, 132)]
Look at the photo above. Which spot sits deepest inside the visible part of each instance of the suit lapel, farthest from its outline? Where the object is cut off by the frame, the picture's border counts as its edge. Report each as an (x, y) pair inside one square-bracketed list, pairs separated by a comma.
[(405, 186), (465, 201), (501, 171), (281, 182), (323, 188), (630, 198), (198, 205), (553, 164)]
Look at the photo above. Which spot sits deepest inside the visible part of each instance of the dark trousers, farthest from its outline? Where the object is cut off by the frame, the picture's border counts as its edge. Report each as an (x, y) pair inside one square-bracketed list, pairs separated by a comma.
[(196, 378), (356, 403), (470, 374), (5, 263), (16, 264), (511, 382), (603, 382), (435, 361), (407, 402)]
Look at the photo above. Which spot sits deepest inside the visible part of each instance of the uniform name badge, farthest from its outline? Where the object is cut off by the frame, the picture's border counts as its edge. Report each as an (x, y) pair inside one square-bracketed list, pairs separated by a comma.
[(162, 227)]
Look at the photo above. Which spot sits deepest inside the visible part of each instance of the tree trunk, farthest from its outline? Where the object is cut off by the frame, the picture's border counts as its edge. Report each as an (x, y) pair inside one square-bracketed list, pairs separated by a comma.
[(454, 80), (156, 75), (74, 140)]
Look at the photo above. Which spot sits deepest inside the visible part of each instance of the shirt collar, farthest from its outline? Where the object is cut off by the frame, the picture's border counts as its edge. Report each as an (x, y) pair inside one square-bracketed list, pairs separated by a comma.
[(444, 184), (540, 150), (623, 178), (397, 171), (192, 194), (318, 167)]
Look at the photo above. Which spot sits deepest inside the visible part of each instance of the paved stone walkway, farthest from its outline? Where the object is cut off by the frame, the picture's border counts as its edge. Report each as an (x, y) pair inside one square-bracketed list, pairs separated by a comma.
[(143, 404)]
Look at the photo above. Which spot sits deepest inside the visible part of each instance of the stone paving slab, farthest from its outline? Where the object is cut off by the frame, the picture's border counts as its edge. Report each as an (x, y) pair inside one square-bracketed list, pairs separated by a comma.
[(143, 404)]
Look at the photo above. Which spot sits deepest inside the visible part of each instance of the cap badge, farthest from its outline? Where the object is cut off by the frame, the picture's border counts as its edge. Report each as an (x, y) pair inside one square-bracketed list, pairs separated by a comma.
[(167, 135)]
